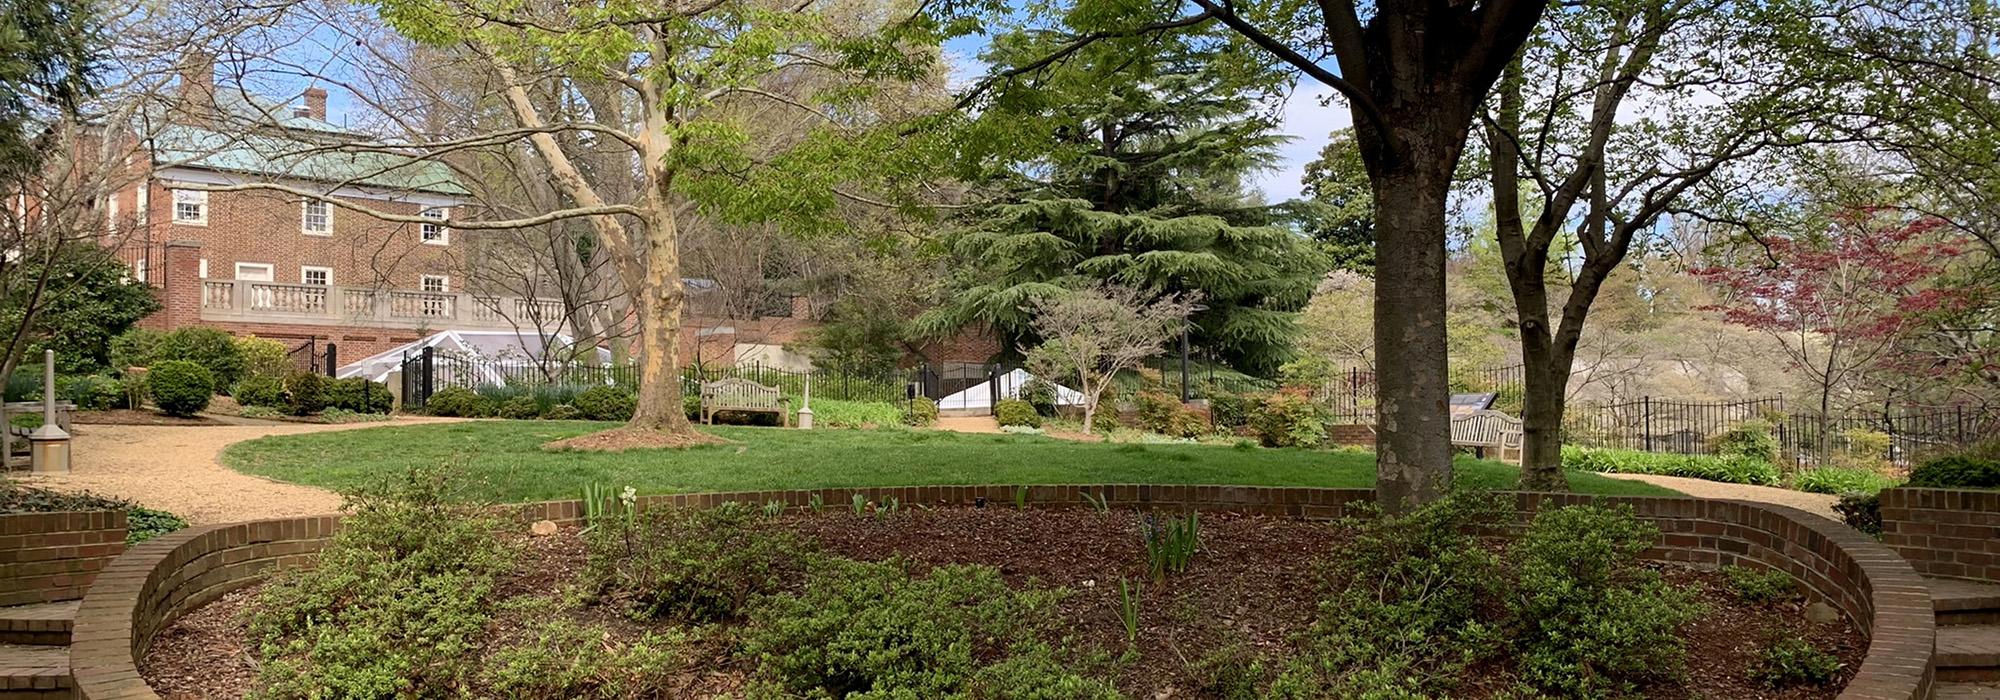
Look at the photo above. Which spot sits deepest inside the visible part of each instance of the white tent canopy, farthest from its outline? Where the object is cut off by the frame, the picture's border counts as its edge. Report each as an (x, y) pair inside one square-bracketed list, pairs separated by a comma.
[(980, 396), (497, 348)]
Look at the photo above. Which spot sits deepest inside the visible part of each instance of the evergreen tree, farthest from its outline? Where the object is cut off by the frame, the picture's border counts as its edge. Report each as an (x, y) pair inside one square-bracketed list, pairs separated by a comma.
[(1125, 163)]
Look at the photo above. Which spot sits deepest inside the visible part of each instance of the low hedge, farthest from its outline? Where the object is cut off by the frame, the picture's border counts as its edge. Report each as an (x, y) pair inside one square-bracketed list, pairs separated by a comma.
[(1957, 472), (1840, 480), (1736, 470)]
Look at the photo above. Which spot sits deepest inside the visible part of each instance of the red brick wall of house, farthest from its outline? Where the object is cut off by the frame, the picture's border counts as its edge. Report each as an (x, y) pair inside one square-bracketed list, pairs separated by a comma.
[(263, 227)]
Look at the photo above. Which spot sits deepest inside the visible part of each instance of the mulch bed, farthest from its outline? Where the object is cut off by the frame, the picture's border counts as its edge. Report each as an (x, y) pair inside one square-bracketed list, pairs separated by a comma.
[(1250, 590)]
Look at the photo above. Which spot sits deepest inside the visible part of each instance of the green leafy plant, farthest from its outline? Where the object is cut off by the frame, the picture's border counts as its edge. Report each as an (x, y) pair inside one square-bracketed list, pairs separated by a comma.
[(922, 412), (1739, 469), (1957, 472), (90, 392), (1128, 609), (1017, 412), (774, 509), (692, 565), (363, 396), (263, 357), (1162, 413), (1839, 480), (517, 408), (261, 391), (1750, 438), (143, 524), (306, 393), (1788, 661), (1861, 511), (1232, 410), (816, 502), (606, 403), (1290, 418), (180, 387), (1021, 497), (341, 415), (562, 411), (1099, 502), (211, 348), (860, 504), (456, 401), (557, 658), (1755, 585), (1170, 543)]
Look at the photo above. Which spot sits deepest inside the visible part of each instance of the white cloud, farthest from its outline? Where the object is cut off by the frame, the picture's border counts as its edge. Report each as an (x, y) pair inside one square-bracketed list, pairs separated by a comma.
[(1309, 121)]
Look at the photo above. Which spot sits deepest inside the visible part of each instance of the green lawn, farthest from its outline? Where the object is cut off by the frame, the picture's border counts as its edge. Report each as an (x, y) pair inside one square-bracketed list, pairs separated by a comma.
[(506, 458)]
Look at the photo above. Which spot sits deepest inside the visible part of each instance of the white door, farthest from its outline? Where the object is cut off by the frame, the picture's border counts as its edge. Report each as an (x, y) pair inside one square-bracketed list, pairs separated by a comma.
[(261, 296)]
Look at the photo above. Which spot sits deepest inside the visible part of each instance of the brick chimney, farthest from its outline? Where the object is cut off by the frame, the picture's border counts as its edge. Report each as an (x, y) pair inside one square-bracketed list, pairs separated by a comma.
[(197, 73), (316, 103)]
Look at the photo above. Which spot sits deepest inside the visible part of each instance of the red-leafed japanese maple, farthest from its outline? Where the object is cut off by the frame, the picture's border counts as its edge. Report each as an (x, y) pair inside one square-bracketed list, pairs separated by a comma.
[(1844, 301)]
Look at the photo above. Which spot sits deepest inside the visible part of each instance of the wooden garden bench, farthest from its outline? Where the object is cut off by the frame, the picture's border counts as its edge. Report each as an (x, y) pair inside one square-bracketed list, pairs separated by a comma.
[(738, 394), (14, 440), (1487, 429)]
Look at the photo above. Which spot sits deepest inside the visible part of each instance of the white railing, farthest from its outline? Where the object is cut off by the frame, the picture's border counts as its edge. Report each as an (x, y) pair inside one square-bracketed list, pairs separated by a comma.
[(271, 302)]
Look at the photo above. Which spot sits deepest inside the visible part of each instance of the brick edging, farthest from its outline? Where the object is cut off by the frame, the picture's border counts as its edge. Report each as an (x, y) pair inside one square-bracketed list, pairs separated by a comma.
[(47, 557), (1945, 532), (154, 583)]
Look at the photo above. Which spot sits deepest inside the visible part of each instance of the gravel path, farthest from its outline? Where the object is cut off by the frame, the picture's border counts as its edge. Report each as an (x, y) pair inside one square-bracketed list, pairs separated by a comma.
[(1815, 503), (174, 468)]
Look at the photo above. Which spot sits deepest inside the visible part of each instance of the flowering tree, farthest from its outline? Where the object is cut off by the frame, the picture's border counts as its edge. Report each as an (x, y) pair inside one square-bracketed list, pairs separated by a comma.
[(1091, 335), (1840, 301)]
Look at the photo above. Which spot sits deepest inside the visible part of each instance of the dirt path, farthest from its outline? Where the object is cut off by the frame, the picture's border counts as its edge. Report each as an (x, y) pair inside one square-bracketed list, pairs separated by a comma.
[(174, 468), (968, 424), (1815, 503)]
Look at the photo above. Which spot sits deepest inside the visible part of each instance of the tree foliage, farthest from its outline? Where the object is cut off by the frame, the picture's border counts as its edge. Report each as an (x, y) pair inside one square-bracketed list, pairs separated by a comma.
[(1091, 335), (49, 51), (97, 301)]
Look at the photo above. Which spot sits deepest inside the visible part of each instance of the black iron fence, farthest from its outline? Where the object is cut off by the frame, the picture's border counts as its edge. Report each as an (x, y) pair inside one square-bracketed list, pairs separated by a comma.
[(1662, 425), (426, 372), (1350, 392)]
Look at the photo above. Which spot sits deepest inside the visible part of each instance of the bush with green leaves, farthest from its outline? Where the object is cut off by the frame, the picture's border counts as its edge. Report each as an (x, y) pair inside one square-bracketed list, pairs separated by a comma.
[(359, 395), (342, 415), (135, 348), (518, 408), (1290, 418), (1788, 661), (692, 565), (1041, 394), (835, 413), (923, 412), (1017, 412), (180, 387), (306, 393), (557, 658), (1839, 480), (1961, 471), (1593, 621), (1750, 438), (1737, 470), (456, 401), (213, 348), (874, 629), (141, 523), (397, 605), (1163, 413), (1232, 410), (1758, 585), (263, 357), (562, 411), (606, 403), (91, 392), (260, 391), (1861, 511)]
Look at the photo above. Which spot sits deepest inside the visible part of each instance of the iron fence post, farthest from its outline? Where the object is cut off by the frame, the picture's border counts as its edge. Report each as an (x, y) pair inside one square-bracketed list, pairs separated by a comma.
[(1646, 421)]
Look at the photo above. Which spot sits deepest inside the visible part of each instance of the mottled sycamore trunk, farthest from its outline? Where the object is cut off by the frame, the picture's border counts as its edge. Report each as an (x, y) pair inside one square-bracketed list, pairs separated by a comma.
[(1413, 429)]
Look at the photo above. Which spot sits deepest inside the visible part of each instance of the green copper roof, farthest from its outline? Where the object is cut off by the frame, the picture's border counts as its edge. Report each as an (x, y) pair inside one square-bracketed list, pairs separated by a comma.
[(267, 139)]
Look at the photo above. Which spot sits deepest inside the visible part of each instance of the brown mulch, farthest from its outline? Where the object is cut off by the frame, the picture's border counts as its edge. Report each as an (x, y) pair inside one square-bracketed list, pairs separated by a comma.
[(127, 416), (622, 439), (1249, 592)]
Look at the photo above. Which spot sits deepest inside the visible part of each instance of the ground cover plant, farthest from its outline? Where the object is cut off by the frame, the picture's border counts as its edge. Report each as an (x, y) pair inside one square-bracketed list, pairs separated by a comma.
[(1739, 469), (421, 594), (506, 461), (141, 523)]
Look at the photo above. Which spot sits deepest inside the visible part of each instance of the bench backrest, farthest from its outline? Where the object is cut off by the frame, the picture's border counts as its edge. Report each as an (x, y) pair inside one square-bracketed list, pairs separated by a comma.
[(1485, 429), (736, 392)]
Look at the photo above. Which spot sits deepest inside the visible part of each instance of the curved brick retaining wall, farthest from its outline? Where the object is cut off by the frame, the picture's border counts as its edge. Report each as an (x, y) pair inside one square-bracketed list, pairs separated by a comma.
[(1945, 532), (152, 585), (46, 557)]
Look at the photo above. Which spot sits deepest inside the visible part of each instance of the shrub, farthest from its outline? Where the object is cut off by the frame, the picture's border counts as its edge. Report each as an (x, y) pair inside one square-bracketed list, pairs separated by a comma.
[(1739, 470), (454, 401), (1041, 394), (359, 395), (556, 658), (692, 406), (1165, 414), (835, 413), (143, 524), (263, 357), (694, 565), (1017, 412), (1595, 622), (91, 392), (1756, 585), (562, 411), (306, 393), (213, 348), (260, 391), (1403, 615), (1861, 511), (873, 628), (1838, 480), (1232, 410), (518, 408), (1750, 438), (923, 412), (1788, 661), (606, 403), (135, 348), (1863, 448), (1957, 472), (1290, 418), (397, 604), (180, 388)]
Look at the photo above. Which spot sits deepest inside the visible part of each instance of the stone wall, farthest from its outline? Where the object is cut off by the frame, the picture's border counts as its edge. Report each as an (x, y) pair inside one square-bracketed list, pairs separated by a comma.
[(47, 557), (155, 583), (1944, 532)]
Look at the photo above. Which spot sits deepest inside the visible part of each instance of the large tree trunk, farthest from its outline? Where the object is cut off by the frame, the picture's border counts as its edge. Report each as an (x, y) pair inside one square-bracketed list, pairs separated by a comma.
[(1547, 379), (660, 406), (1413, 428)]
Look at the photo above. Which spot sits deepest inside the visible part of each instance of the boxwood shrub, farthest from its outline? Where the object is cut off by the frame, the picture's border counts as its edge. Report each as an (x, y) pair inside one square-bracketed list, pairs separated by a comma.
[(180, 387), (257, 390), (458, 401), (1017, 412), (604, 403), (1957, 472), (1736, 469)]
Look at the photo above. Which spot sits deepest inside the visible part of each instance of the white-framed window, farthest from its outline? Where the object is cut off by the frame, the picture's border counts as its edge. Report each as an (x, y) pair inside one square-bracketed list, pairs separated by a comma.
[(111, 214), (139, 269), (204, 268), (254, 272), (316, 217), (438, 233), (435, 283), (191, 207), (312, 274)]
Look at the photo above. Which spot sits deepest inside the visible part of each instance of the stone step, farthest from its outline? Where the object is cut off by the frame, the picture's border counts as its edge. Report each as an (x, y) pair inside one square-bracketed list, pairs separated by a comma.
[(38, 671), (41, 623), (1968, 653), (1968, 691), (1961, 602)]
